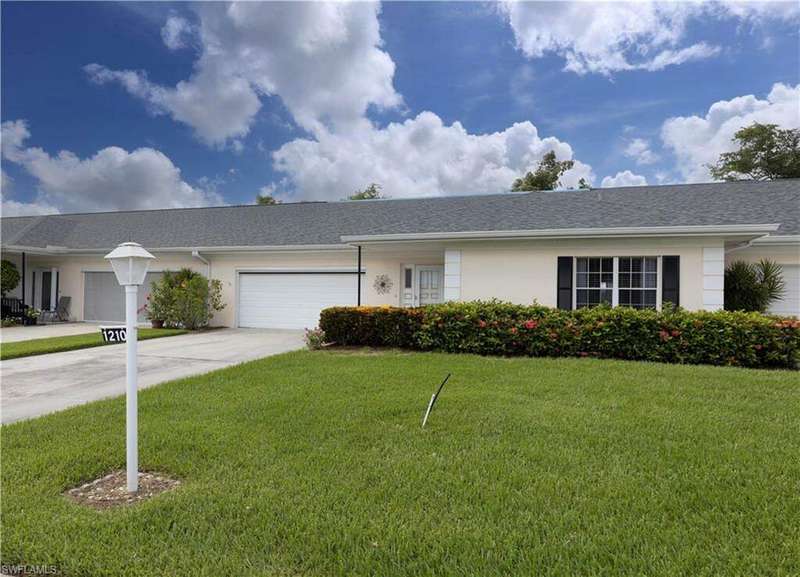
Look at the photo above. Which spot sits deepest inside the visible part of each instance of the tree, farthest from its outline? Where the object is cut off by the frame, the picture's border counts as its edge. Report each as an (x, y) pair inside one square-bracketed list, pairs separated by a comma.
[(265, 200), (766, 152), (372, 192), (9, 277), (582, 184), (752, 287), (547, 175), (184, 299)]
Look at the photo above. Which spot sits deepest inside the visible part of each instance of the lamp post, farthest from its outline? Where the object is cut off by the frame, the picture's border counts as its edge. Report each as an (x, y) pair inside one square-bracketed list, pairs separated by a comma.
[(130, 262)]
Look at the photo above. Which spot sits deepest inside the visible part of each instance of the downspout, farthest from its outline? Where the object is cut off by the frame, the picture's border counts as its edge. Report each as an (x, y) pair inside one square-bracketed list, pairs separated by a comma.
[(23, 279), (196, 254), (358, 276)]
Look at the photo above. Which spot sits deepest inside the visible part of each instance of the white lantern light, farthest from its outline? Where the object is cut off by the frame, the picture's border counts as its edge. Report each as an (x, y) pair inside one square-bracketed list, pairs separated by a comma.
[(130, 262)]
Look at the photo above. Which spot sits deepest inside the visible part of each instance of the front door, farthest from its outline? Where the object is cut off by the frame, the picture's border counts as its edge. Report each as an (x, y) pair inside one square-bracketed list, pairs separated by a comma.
[(45, 289), (430, 284)]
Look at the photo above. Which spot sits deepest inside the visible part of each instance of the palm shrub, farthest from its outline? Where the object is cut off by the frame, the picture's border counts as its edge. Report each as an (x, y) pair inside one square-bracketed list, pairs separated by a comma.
[(752, 287)]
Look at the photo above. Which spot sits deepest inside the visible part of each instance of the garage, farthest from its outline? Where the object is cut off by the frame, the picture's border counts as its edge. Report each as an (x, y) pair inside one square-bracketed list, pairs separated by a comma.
[(104, 299), (790, 303), (292, 300)]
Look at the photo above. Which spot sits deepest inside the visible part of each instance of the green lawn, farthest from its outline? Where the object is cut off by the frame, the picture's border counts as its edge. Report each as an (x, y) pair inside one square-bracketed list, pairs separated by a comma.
[(314, 464), (32, 347)]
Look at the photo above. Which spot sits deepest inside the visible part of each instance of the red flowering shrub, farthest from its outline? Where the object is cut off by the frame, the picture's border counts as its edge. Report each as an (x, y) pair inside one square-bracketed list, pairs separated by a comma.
[(497, 328)]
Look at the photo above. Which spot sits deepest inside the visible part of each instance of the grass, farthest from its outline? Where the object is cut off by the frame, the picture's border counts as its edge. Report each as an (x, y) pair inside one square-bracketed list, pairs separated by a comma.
[(314, 464), (32, 347)]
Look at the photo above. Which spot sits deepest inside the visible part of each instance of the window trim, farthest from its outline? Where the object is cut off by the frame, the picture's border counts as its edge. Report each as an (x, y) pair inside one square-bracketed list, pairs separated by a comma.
[(615, 288)]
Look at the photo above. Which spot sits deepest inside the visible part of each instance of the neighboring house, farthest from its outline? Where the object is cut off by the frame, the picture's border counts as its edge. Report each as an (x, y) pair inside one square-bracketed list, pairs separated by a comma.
[(280, 265)]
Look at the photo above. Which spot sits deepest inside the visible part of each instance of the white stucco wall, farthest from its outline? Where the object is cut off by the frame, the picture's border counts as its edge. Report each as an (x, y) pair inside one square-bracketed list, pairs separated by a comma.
[(524, 271), (224, 267), (390, 261), (71, 271), (516, 271)]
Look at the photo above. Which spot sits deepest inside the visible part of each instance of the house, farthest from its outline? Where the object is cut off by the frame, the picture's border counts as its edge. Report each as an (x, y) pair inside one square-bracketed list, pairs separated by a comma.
[(280, 265)]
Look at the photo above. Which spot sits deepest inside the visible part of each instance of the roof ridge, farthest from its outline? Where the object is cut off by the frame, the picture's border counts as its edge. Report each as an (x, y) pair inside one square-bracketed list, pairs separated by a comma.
[(35, 219)]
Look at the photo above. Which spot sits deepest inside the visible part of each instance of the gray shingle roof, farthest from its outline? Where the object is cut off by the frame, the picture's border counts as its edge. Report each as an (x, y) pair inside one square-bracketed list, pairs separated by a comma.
[(325, 223)]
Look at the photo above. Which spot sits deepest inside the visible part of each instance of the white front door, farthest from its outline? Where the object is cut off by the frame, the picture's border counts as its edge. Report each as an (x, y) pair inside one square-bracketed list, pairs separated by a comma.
[(430, 283)]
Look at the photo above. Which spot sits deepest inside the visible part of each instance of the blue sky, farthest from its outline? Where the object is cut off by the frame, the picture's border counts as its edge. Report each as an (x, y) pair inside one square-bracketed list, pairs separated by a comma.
[(189, 105)]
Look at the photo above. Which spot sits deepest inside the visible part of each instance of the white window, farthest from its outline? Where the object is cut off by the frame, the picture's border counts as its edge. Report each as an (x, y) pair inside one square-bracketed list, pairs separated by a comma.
[(638, 281), (594, 281), (629, 281)]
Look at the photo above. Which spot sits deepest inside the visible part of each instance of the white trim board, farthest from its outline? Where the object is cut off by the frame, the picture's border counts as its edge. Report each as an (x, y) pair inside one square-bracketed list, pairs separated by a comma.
[(629, 232)]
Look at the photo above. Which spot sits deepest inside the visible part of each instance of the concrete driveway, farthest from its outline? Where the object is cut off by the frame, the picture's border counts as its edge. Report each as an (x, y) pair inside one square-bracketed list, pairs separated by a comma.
[(33, 386)]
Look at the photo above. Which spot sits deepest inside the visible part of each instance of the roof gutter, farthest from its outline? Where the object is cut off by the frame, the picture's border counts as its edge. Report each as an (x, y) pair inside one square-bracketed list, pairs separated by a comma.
[(564, 233), (786, 239), (51, 250)]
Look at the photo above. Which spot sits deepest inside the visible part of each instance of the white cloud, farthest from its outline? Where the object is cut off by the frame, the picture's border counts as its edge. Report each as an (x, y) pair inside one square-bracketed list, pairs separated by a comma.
[(14, 208), (323, 59), (10, 207), (697, 141), (268, 190), (112, 179), (639, 150), (623, 178), (177, 32), (5, 182), (419, 157), (220, 107), (665, 58), (606, 37)]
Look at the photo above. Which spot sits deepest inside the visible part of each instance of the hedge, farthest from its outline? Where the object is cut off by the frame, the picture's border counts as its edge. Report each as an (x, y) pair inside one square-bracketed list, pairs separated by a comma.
[(498, 328)]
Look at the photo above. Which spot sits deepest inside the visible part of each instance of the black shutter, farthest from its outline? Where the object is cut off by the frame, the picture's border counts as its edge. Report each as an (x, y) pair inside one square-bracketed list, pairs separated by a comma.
[(564, 282), (671, 279)]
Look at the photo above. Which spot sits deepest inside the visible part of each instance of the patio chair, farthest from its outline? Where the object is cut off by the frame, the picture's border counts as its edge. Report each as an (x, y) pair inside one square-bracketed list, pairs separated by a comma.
[(61, 314)]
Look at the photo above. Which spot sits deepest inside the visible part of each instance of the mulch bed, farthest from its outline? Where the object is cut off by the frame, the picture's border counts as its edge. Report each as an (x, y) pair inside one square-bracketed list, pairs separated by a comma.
[(112, 490)]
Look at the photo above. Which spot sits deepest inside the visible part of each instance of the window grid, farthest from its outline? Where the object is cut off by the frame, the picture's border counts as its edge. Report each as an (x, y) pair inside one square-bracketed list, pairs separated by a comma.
[(638, 281), (594, 281), (630, 281)]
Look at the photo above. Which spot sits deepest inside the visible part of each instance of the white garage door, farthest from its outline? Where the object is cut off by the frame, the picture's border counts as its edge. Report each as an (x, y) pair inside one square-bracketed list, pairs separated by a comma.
[(292, 300), (790, 303), (104, 299)]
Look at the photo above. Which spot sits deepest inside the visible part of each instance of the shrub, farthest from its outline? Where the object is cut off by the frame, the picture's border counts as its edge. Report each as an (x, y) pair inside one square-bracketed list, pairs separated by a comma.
[(9, 277), (184, 299), (314, 338), (752, 287), (498, 328), (371, 326)]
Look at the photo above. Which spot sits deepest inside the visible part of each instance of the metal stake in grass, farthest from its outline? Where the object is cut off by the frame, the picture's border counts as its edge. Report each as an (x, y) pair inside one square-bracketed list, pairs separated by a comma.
[(434, 396)]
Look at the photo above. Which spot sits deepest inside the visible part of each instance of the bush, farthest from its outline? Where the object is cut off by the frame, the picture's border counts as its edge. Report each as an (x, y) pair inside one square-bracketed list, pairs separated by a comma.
[(314, 338), (752, 287), (184, 299), (9, 277), (371, 326), (497, 328)]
